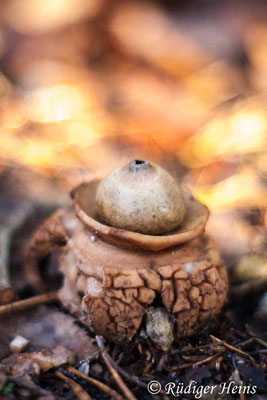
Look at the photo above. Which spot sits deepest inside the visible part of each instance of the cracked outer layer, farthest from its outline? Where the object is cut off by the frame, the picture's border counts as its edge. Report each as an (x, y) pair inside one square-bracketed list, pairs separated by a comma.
[(113, 284)]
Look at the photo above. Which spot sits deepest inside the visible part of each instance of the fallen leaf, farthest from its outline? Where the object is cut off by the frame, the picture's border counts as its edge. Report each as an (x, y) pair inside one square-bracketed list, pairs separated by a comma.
[(24, 369), (45, 328), (253, 375), (18, 365), (198, 374)]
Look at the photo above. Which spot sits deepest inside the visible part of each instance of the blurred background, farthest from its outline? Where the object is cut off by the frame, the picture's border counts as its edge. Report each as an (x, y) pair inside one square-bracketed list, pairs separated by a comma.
[(88, 85)]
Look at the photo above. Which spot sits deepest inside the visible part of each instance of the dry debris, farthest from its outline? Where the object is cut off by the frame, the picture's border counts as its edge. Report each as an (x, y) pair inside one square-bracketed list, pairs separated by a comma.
[(46, 328), (23, 369), (18, 344), (18, 365)]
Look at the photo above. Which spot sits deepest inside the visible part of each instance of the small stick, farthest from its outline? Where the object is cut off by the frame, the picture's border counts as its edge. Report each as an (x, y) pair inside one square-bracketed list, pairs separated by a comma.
[(77, 389), (148, 367), (192, 358), (245, 342), (260, 341), (241, 395), (149, 355), (204, 361), (22, 305), (218, 363), (190, 349), (162, 362), (131, 378), (140, 348), (251, 340), (263, 351), (100, 385), (128, 394), (232, 348), (121, 355)]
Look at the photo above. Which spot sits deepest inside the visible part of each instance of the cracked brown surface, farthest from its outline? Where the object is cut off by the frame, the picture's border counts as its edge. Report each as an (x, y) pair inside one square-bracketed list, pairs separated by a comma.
[(118, 283), (113, 285)]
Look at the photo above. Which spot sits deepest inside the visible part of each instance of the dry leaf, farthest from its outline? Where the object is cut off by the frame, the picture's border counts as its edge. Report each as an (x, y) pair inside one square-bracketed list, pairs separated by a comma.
[(45, 328)]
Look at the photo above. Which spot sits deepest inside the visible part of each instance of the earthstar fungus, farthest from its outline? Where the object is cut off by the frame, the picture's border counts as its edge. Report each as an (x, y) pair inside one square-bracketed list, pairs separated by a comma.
[(134, 239)]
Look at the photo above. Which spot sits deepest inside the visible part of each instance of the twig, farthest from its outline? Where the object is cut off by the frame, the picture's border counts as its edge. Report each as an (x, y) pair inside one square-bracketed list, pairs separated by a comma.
[(128, 394), (149, 356), (192, 358), (244, 342), (111, 392), (208, 359), (121, 355), (218, 363), (251, 340), (232, 348), (262, 351), (140, 348), (260, 341), (130, 378), (200, 362), (78, 390), (162, 362), (148, 367), (190, 349), (241, 395), (22, 305)]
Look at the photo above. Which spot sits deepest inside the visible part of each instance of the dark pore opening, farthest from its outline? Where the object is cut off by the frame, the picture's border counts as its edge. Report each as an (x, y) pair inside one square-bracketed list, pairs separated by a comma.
[(139, 165), (137, 162)]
